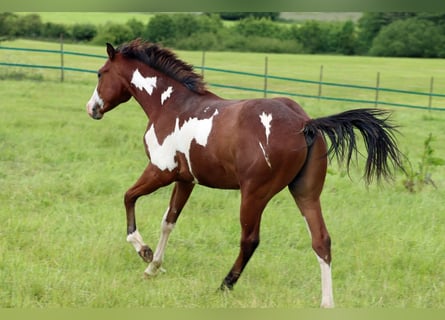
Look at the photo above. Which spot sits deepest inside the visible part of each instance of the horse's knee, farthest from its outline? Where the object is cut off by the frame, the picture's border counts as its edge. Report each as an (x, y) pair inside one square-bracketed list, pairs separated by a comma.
[(250, 244), (128, 198)]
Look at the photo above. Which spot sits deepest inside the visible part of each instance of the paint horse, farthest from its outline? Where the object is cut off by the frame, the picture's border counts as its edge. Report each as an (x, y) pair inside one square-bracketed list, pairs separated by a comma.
[(258, 146)]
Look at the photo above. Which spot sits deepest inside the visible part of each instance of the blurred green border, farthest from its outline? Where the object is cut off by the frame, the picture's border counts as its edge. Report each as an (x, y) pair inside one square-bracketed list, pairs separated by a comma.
[(219, 314), (213, 6), (222, 5)]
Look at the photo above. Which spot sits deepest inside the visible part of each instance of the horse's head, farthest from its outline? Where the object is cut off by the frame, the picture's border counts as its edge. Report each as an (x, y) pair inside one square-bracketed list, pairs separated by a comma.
[(111, 89)]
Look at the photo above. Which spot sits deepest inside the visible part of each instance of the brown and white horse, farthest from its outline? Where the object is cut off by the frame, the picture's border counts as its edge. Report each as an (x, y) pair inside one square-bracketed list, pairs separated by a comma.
[(259, 146)]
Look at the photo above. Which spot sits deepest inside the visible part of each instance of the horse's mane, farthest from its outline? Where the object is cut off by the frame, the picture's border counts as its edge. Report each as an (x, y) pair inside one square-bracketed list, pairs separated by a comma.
[(164, 61)]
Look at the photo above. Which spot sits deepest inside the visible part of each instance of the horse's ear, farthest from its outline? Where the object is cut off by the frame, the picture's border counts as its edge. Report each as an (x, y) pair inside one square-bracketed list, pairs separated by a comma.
[(111, 51)]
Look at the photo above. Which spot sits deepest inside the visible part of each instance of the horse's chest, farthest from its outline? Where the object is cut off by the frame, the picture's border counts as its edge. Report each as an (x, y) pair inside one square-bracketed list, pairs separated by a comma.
[(163, 153)]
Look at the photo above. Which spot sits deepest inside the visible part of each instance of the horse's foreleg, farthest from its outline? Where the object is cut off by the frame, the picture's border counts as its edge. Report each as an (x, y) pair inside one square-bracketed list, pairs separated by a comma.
[(179, 197), (150, 180)]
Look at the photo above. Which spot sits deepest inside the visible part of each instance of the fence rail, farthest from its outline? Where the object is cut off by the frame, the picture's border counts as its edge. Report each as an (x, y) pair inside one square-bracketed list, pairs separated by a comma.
[(264, 76)]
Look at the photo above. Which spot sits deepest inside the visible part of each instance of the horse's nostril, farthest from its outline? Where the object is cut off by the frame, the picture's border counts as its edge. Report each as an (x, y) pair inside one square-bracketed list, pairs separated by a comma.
[(96, 114)]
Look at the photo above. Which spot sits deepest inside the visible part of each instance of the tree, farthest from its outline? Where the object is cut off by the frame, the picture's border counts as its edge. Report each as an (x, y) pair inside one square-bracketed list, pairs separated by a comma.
[(84, 32), (409, 38), (137, 28), (310, 35), (347, 41), (258, 27), (161, 28), (8, 24), (113, 33), (370, 23), (30, 25)]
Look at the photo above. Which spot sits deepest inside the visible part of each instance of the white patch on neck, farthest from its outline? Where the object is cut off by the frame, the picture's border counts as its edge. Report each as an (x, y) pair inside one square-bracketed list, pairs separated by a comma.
[(141, 82), (166, 94), (265, 120), (163, 155)]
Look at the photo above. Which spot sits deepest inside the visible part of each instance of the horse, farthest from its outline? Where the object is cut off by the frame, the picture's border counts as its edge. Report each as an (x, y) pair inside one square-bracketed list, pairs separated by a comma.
[(259, 146)]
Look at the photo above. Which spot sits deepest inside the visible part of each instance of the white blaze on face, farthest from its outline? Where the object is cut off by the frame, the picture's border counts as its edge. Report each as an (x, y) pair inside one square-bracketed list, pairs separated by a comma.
[(94, 102), (141, 82), (265, 120), (180, 140), (166, 94)]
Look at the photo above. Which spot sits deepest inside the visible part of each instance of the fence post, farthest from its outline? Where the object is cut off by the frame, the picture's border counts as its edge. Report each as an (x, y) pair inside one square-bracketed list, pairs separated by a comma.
[(61, 58), (203, 61), (430, 102), (319, 83), (377, 87), (265, 76)]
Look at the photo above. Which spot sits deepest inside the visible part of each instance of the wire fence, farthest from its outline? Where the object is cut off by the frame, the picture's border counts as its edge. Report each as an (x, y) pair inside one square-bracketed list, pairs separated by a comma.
[(321, 85)]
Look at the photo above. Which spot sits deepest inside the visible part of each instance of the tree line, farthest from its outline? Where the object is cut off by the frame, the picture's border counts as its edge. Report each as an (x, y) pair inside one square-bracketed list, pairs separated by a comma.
[(398, 34)]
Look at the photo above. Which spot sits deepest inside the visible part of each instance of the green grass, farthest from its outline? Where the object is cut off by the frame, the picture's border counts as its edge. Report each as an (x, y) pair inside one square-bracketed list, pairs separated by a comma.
[(96, 18), (63, 176)]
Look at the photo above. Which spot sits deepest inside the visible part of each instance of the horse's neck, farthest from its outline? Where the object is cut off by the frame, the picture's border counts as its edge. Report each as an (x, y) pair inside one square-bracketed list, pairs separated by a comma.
[(150, 91)]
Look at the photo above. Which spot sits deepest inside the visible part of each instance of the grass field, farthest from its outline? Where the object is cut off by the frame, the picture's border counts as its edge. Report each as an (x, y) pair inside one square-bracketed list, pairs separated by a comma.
[(96, 18), (63, 176)]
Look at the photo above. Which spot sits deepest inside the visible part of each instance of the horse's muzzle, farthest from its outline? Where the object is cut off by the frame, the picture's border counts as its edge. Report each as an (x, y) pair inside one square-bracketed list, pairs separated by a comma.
[(94, 111)]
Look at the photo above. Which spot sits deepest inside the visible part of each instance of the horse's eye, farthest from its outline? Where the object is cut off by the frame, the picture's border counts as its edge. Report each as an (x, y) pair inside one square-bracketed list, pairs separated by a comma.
[(98, 74)]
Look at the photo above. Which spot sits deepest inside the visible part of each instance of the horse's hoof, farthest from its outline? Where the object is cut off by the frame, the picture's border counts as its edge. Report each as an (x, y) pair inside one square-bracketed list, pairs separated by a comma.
[(225, 287), (146, 254), (153, 270)]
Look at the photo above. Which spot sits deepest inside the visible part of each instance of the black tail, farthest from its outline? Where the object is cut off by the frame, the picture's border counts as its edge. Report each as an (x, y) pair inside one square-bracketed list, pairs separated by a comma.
[(377, 132)]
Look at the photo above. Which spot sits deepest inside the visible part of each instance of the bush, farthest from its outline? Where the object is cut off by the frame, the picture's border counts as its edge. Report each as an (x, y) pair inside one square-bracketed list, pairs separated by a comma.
[(30, 25), (13, 25), (370, 24), (8, 24), (347, 39), (161, 28), (237, 42), (416, 179), (259, 27), (137, 28), (409, 38), (311, 36), (202, 41), (113, 33), (54, 30), (272, 45), (83, 32)]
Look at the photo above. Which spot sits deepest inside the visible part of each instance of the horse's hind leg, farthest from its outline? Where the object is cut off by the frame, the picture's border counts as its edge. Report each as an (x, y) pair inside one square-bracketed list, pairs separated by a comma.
[(306, 190), (321, 244), (180, 195)]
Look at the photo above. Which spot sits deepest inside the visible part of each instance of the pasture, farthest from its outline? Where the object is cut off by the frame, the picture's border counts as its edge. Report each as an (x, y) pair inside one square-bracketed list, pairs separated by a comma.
[(63, 176)]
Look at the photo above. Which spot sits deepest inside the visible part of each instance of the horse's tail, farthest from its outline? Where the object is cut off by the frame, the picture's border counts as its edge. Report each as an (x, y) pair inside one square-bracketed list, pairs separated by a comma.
[(377, 132)]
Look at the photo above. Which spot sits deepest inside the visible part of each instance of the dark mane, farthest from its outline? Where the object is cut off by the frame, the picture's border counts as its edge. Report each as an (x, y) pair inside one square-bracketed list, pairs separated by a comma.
[(164, 61)]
